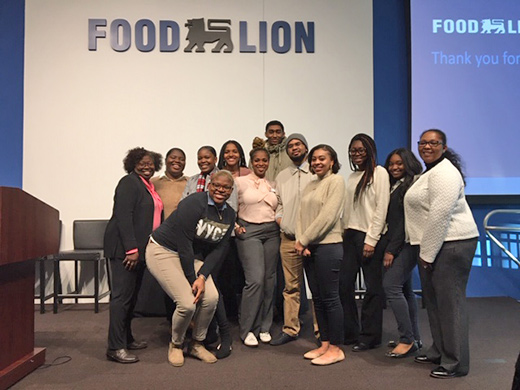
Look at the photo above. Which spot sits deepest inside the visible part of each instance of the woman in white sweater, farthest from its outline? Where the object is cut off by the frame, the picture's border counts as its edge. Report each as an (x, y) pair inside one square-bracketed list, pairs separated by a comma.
[(366, 207), (439, 220), (318, 239)]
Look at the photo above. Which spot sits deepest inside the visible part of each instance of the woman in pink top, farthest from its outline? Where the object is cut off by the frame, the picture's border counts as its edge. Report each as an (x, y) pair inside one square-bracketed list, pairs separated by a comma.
[(258, 244)]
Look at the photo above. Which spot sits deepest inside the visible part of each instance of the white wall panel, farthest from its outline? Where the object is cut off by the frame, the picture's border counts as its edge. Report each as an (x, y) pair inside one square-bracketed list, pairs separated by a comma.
[(84, 109)]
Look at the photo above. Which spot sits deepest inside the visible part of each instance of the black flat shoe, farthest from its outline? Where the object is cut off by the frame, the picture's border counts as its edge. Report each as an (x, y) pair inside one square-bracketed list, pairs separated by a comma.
[(441, 373), (121, 356), (224, 350), (284, 338), (137, 345), (393, 344), (360, 347), (423, 359), (414, 348)]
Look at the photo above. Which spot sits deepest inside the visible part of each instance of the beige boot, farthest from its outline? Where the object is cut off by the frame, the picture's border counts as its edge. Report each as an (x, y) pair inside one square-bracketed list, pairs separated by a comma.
[(175, 356), (197, 349)]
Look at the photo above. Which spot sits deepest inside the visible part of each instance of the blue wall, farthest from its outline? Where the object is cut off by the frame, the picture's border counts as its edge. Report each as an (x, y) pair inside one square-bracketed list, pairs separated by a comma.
[(12, 26), (492, 274), (391, 76)]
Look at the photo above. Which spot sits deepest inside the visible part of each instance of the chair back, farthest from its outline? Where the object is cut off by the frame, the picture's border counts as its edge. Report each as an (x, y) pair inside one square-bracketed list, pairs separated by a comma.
[(89, 233)]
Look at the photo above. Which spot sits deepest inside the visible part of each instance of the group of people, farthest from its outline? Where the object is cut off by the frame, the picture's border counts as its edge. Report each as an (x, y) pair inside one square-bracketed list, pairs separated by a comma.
[(226, 228)]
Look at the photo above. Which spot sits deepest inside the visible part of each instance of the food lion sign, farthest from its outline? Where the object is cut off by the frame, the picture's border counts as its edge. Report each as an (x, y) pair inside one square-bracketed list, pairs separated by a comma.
[(201, 35)]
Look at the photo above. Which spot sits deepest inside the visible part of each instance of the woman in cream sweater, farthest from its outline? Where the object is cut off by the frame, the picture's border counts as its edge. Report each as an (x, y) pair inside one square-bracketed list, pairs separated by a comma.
[(319, 240), (366, 207)]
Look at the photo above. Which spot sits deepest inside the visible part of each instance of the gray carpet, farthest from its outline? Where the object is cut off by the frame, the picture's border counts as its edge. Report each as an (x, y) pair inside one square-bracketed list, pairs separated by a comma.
[(79, 333)]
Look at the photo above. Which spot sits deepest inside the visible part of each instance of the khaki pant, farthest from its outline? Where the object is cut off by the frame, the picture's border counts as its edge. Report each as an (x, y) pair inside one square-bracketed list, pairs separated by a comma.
[(292, 265), (165, 266)]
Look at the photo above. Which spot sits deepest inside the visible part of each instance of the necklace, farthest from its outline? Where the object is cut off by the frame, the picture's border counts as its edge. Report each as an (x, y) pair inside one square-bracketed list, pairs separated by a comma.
[(219, 212)]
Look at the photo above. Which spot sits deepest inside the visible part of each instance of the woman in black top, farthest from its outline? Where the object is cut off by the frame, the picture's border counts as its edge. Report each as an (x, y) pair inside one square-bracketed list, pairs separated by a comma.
[(182, 254), (400, 258), (137, 211)]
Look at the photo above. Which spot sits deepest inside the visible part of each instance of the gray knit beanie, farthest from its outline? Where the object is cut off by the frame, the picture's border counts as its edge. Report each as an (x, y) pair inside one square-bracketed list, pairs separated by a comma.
[(297, 136)]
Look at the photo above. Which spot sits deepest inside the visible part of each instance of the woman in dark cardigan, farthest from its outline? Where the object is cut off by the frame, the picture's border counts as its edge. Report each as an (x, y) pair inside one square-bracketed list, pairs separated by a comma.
[(400, 258), (137, 211)]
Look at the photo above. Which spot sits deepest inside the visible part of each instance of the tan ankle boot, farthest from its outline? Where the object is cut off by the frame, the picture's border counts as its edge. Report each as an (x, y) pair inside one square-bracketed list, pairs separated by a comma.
[(197, 349), (175, 356)]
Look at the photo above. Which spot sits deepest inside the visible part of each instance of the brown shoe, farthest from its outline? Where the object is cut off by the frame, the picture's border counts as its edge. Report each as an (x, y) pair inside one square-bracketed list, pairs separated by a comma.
[(197, 349), (175, 356)]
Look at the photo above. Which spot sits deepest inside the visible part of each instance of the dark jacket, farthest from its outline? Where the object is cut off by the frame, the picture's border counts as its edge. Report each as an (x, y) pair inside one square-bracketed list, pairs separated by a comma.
[(395, 220), (132, 218), (197, 230)]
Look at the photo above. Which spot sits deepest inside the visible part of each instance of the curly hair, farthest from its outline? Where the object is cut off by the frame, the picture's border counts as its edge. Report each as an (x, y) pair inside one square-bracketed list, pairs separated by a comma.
[(371, 162), (333, 155), (135, 155)]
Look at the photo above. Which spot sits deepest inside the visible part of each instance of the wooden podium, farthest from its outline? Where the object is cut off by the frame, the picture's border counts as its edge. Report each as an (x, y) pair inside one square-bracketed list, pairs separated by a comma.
[(29, 229)]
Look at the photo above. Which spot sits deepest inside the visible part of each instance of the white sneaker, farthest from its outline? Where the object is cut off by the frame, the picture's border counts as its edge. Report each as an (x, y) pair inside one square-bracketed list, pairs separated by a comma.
[(265, 337), (251, 340)]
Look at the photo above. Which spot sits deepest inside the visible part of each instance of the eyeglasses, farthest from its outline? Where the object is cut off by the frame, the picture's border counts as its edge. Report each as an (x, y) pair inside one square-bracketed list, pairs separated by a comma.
[(141, 165), (433, 144), (360, 151), (220, 187)]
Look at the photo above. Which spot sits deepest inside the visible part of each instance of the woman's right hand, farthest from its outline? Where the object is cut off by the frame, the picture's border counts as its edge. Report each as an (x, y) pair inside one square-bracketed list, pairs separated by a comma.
[(368, 251), (388, 260), (239, 230), (301, 250), (130, 261)]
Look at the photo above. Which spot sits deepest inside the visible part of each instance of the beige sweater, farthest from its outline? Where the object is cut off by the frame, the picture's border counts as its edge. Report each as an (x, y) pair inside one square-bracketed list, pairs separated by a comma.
[(321, 209), (170, 191)]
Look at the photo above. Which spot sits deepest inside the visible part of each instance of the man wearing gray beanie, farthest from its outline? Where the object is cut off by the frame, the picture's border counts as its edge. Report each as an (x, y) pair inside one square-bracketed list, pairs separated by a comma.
[(290, 183), (302, 139)]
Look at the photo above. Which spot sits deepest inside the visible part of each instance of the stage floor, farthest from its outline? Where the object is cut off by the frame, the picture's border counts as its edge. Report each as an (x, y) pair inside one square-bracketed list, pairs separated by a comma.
[(79, 333)]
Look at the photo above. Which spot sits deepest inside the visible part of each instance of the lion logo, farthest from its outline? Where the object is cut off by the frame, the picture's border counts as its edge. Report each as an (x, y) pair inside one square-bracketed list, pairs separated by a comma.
[(199, 36), (496, 25)]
